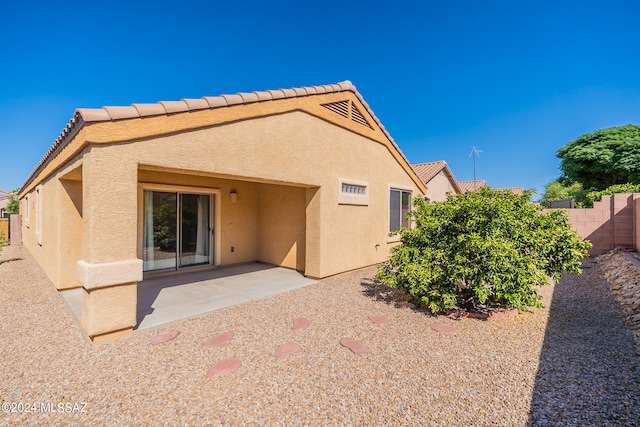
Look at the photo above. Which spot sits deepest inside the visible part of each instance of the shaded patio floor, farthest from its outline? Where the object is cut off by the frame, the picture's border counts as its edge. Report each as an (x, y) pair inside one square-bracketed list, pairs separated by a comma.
[(166, 299)]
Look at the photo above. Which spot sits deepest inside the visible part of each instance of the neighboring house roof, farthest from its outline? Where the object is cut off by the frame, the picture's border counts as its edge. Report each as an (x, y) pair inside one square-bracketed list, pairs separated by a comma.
[(84, 116), (515, 190), (471, 185), (4, 194), (426, 172)]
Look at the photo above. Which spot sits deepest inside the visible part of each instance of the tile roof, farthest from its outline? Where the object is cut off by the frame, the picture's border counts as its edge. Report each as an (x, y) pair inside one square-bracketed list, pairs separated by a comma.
[(515, 190), (426, 172), (471, 185), (92, 115)]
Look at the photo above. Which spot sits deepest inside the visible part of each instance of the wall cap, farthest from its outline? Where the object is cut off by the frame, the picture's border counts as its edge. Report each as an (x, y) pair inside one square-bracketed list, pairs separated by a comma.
[(95, 276)]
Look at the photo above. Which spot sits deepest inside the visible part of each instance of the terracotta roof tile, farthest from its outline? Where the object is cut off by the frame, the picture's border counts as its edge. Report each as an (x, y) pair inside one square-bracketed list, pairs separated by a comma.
[(248, 97), (471, 185), (427, 171), (175, 106), (311, 90), (149, 109), (263, 96), (117, 113), (93, 114), (233, 99), (196, 104), (215, 101), (276, 94), (289, 93), (515, 190)]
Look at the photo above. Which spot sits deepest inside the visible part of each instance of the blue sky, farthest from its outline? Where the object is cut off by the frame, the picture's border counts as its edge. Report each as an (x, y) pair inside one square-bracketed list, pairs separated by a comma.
[(516, 79)]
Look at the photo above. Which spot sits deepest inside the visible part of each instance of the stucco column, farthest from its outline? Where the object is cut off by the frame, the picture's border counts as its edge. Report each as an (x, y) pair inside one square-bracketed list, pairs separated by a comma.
[(109, 270), (313, 253)]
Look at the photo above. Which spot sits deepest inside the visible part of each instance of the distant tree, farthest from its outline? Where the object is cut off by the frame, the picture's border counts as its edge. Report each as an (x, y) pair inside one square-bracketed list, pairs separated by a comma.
[(603, 158), (557, 190), (13, 207)]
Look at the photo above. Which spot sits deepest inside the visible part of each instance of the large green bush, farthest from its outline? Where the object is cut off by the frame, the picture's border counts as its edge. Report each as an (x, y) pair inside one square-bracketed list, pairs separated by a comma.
[(483, 250)]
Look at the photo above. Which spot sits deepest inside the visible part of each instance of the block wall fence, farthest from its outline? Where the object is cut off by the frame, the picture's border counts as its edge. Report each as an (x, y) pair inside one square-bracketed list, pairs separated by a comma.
[(614, 221)]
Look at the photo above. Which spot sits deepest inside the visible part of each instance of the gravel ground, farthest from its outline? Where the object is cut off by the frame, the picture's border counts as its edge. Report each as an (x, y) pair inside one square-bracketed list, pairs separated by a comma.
[(572, 363)]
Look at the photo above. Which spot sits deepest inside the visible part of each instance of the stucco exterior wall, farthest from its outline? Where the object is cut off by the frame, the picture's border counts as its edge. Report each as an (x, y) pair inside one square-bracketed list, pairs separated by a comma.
[(293, 150), (273, 163), (438, 187), (282, 225), (60, 245)]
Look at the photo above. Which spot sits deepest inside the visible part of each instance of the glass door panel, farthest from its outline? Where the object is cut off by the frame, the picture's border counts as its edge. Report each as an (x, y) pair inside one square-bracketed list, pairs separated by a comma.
[(194, 229), (159, 230)]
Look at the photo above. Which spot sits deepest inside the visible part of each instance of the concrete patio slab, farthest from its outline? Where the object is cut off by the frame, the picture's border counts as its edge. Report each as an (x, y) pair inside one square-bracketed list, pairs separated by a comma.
[(166, 299)]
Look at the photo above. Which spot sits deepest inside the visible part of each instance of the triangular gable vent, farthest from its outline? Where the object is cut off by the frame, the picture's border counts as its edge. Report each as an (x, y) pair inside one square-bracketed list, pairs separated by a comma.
[(349, 111)]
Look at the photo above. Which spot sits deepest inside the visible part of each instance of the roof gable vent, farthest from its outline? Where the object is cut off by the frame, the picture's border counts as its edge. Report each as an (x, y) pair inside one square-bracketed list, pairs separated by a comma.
[(348, 110)]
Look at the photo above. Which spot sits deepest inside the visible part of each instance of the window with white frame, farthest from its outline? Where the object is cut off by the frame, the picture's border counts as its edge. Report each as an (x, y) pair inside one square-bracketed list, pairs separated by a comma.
[(38, 214), (399, 206), (352, 192), (353, 189), (25, 209)]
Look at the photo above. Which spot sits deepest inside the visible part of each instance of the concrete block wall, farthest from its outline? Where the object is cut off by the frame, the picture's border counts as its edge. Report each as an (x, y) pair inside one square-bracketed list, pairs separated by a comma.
[(594, 224), (16, 229), (622, 206), (613, 221)]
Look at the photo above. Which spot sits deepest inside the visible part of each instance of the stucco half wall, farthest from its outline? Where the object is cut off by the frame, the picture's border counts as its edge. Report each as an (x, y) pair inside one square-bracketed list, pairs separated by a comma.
[(276, 177)]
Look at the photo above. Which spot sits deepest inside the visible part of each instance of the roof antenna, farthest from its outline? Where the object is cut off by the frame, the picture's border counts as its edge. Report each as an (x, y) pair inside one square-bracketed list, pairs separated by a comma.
[(475, 153)]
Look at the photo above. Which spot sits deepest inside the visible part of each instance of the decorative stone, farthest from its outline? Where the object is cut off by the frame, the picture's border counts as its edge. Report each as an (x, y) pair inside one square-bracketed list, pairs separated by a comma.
[(288, 349), (378, 320), (500, 315), (443, 328), (357, 347), (224, 367), (300, 323), (218, 340), (163, 338)]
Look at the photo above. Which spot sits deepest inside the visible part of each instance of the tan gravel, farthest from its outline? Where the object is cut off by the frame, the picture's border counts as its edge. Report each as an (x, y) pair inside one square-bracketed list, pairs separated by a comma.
[(572, 363)]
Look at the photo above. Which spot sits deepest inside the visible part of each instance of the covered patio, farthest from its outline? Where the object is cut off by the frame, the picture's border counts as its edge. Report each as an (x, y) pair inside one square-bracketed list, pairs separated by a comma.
[(169, 298)]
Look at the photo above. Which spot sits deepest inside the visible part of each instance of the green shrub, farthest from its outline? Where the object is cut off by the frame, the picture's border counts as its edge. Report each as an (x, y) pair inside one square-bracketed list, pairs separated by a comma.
[(481, 251)]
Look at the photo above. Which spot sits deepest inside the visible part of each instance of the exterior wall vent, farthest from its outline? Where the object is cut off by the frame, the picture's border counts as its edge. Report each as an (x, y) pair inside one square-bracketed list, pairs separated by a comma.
[(357, 116), (349, 111)]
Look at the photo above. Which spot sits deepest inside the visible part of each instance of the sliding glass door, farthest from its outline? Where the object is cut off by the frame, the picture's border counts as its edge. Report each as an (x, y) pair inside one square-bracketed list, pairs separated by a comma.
[(194, 229), (176, 230)]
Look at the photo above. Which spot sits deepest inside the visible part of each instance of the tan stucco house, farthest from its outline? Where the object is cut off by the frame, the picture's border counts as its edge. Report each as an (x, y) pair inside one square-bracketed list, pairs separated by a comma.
[(438, 179), (305, 178)]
